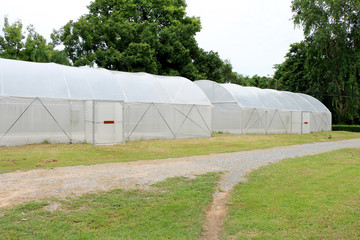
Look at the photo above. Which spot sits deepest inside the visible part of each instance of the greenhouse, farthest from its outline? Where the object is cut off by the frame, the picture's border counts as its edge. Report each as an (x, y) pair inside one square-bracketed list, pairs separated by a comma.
[(47, 102), (250, 110)]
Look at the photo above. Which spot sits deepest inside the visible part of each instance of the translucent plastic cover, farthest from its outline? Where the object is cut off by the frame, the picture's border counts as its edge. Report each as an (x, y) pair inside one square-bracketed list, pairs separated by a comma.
[(252, 97), (144, 87), (49, 80), (250, 110), (215, 92)]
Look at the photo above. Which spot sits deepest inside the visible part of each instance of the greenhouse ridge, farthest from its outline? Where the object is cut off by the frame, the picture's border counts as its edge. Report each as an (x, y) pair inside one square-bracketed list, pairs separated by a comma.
[(56, 103)]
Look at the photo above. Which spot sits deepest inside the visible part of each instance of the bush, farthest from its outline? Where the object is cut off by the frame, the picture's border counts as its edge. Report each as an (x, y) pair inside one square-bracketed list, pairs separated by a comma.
[(348, 128)]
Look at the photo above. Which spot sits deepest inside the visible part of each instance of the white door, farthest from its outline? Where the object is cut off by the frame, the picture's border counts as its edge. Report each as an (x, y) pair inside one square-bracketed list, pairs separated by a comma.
[(108, 122), (305, 123)]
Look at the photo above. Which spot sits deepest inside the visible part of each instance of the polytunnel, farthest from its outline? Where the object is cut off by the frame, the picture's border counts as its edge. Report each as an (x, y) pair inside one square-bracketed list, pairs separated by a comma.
[(251, 110), (50, 102)]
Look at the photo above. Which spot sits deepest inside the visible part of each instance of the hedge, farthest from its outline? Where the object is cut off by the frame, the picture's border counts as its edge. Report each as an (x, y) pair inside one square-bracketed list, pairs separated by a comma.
[(348, 128)]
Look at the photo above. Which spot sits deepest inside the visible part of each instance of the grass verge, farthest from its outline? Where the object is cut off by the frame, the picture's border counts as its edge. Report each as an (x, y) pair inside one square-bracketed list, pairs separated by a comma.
[(175, 209), (314, 197), (59, 155)]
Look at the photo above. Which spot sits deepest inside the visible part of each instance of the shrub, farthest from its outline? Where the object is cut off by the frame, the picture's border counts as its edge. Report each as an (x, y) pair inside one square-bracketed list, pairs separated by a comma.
[(348, 128)]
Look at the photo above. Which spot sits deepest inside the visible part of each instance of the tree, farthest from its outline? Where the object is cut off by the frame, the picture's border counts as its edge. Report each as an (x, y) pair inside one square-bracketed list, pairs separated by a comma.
[(210, 65), (154, 36), (330, 54), (227, 74), (12, 42), (35, 48), (255, 81), (292, 74)]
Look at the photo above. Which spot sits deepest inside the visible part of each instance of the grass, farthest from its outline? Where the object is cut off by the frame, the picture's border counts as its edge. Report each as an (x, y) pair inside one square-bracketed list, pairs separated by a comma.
[(59, 155), (174, 209), (314, 197)]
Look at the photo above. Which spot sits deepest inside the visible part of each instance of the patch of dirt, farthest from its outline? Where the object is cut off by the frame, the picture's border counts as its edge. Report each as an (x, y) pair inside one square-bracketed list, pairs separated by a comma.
[(46, 161), (216, 215), (53, 207), (50, 160)]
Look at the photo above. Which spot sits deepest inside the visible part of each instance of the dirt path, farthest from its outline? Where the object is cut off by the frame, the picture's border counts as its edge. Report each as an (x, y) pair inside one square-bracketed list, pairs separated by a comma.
[(216, 215), (19, 187)]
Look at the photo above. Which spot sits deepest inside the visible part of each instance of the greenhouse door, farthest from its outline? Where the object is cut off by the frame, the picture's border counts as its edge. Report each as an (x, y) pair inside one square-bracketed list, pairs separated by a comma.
[(107, 122), (305, 127)]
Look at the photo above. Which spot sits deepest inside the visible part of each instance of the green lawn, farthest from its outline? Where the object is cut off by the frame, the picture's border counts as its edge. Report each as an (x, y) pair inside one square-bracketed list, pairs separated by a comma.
[(314, 197), (175, 209), (58, 155)]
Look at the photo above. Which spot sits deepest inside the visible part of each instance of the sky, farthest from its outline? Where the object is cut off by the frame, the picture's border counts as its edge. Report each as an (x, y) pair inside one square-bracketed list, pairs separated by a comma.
[(253, 35)]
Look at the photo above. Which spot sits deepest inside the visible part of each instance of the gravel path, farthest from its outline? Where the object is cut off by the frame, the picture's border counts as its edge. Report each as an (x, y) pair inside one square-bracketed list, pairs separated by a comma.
[(19, 187)]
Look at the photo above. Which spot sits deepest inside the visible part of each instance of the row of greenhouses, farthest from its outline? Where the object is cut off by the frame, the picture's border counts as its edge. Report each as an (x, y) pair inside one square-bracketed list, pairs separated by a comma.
[(47, 102)]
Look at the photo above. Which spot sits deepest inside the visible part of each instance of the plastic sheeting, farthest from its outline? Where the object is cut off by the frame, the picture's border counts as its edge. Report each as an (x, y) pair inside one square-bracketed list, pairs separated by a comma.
[(49, 80), (144, 87), (163, 107), (50, 102), (250, 110), (35, 120)]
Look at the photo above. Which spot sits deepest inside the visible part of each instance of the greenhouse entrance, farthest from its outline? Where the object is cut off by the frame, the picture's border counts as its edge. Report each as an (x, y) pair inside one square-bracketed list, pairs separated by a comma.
[(104, 122), (305, 123)]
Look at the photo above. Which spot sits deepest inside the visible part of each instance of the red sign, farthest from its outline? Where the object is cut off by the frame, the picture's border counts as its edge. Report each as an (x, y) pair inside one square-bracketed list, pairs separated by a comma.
[(306, 123), (109, 122)]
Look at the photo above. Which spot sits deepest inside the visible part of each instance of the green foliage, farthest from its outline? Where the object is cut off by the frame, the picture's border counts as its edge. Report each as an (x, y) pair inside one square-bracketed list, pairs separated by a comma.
[(152, 36), (227, 74), (255, 81), (12, 42), (174, 209), (209, 65), (291, 73), (314, 197), (327, 63), (348, 128), (34, 48)]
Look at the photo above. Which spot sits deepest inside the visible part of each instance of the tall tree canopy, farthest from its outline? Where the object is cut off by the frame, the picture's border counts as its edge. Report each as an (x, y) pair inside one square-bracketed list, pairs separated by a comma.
[(327, 63), (291, 73), (33, 47), (154, 36)]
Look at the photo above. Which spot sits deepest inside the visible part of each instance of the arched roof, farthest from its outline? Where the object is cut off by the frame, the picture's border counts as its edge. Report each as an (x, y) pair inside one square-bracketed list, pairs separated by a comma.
[(49, 80), (144, 87), (260, 98)]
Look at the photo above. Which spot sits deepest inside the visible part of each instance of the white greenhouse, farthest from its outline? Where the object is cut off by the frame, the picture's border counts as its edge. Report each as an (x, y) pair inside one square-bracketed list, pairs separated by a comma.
[(50, 102), (250, 110)]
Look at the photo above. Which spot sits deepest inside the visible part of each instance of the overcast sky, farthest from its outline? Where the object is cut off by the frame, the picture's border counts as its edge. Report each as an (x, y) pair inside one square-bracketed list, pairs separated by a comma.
[(253, 34)]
